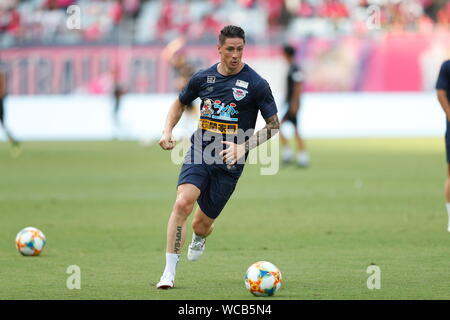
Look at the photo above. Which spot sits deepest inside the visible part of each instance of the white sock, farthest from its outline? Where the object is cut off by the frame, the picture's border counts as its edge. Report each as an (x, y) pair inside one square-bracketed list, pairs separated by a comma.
[(171, 262), (448, 211)]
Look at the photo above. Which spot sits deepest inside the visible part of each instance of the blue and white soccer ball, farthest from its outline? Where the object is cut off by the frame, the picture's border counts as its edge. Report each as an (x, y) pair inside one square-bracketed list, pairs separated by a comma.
[(30, 241), (263, 279)]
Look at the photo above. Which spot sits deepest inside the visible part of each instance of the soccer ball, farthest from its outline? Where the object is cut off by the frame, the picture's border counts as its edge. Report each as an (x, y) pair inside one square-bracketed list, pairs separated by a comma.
[(263, 279), (30, 241)]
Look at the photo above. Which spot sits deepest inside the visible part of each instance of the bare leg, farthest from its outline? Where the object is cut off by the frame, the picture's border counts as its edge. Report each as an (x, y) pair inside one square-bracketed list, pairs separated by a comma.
[(187, 194), (299, 140), (202, 225)]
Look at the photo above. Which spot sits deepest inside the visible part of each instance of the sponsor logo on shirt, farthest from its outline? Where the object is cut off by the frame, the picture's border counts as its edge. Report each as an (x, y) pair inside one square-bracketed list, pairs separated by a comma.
[(239, 94), (210, 79), (241, 83), (218, 110), (218, 127)]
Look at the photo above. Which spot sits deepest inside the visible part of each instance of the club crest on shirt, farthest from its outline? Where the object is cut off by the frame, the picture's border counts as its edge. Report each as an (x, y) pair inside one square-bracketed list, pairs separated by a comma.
[(239, 94)]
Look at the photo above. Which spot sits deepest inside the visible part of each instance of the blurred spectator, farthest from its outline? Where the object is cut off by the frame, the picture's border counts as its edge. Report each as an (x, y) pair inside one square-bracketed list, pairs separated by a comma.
[(10, 22), (44, 20)]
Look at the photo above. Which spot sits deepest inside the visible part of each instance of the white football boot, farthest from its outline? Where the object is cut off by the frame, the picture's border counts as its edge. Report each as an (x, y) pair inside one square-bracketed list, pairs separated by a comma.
[(287, 155), (167, 281), (196, 248), (303, 159)]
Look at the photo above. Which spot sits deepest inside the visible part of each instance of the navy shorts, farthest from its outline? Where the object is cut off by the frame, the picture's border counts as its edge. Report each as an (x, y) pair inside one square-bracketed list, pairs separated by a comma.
[(447, 141), (215, 182)]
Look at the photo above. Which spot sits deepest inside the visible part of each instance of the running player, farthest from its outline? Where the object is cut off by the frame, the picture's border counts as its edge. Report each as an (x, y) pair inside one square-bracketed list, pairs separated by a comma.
[(293, 95), (231, 95), (443, 94)]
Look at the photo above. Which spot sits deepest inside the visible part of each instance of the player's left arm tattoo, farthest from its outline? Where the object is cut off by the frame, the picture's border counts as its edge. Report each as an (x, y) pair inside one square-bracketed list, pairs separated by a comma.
[(236, 152), (270, 129)]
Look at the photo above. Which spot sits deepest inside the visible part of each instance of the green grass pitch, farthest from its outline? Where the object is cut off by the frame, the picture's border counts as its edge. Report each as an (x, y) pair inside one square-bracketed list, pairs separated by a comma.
[(103, 206)]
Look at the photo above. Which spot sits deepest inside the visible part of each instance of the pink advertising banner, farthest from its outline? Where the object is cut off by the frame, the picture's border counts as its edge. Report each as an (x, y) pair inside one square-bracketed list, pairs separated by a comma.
[(387, 63)]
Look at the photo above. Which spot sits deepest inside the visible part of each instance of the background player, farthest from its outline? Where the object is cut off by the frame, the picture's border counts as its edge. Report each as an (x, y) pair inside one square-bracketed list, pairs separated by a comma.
[(294, 81), (175, 54), (235, 87), (3, 90), (443, 94), (118, 91)]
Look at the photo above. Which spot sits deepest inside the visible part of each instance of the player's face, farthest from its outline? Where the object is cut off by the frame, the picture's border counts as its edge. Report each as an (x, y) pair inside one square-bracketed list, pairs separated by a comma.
[(231, 53)]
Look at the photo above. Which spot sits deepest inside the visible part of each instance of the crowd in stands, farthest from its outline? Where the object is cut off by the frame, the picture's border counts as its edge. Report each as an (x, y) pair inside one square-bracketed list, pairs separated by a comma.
[(150, 21)]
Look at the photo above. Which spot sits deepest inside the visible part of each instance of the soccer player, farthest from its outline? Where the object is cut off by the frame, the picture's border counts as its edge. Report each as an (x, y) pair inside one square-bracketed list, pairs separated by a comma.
[(443, 95), (175, 54), (293, 95), (118, 91), (13, 141), (231, 95)]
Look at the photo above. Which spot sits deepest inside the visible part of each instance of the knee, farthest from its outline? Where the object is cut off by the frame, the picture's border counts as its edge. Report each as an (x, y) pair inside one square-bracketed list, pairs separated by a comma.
[(183, 206)]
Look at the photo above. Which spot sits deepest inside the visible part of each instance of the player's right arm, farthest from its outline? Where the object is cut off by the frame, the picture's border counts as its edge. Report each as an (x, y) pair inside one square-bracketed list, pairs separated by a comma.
[(167, 141), (187, 95)]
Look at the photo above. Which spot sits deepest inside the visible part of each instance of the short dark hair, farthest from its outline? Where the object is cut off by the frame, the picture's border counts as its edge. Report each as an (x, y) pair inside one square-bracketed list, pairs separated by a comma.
[(231, 32), (289, 50)]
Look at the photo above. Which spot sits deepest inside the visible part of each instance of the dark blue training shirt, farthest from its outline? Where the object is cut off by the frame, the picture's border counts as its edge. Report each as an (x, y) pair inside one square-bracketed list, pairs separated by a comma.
[(443, 82), (228, 103)]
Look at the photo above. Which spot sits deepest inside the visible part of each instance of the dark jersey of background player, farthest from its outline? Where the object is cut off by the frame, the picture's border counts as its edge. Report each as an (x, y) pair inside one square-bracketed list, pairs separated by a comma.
[(2, 96), (294, 76), (118, 92), (3, 93), (443, 95), (228, 104), (443, 81)]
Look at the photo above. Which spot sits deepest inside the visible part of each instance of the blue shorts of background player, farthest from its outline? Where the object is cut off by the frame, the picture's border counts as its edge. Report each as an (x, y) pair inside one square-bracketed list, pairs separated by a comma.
[(215, 182)]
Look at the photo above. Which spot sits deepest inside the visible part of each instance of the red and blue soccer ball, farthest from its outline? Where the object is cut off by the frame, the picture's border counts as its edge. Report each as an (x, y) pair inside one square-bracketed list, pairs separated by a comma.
[(263, 279), (30, 241)]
